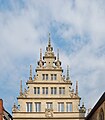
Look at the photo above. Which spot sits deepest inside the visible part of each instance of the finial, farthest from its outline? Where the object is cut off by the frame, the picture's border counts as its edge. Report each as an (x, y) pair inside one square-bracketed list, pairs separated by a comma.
[(40, 54), (30, 72), (21, 92), (76, 87), (57, 54), (68, 77), (82, 103), (49, 42)]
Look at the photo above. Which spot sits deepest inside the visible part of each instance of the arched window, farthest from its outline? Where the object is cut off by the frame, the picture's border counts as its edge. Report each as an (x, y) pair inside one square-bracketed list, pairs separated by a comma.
[(101, 114)]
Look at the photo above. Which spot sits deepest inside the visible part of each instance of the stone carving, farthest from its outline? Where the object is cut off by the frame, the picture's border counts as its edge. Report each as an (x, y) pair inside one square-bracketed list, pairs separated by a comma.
[(49, 113)]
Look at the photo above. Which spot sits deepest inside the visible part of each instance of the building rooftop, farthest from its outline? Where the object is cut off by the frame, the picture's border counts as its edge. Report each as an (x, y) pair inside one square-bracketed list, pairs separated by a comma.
[(100, 101)]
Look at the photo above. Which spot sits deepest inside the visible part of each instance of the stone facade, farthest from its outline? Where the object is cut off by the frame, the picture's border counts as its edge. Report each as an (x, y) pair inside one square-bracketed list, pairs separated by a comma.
[(49, 94), (98, 111)]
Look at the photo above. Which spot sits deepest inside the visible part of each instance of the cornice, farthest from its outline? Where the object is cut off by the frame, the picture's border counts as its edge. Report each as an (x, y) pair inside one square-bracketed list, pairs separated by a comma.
[(49, 98), (66, 118), (49, 69), (44, 82)]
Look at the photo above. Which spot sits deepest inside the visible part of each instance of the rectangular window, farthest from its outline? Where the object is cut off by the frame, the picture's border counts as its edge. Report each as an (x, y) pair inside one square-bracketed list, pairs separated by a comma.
[(36, 90), (53, 76), (60, 107), (29, 107), (68, 107), (62, 90), (49, 105), (46, 76), (43, 76), (37, 107), (53, 90), (44, 90)]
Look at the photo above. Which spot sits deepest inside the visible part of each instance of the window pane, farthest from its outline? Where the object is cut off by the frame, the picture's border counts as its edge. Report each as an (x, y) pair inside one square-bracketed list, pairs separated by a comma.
[(43, 76), (46, 76), (60, 107), (37, 107), (51, 76), (69, 107), (29, 107), (34, 90), (55, 90), (63, 90), (51, 90), (46, 90), (38, 89), (49, 105), (55, 76), (43, 90), (60, 90)]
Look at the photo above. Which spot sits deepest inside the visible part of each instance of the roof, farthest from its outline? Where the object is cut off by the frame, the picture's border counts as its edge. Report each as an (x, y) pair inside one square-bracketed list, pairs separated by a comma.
[(100, 101), (9, 115)]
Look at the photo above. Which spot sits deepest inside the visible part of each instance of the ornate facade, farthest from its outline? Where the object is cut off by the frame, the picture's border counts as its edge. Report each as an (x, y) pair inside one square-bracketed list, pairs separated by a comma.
[(49, 94)]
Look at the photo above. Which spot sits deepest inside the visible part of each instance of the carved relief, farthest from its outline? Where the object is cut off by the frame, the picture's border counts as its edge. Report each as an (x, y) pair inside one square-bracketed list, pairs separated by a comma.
[(49, 113)]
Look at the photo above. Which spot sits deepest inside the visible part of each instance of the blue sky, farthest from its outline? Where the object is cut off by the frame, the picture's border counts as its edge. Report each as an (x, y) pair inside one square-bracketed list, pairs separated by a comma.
[(77, 28)]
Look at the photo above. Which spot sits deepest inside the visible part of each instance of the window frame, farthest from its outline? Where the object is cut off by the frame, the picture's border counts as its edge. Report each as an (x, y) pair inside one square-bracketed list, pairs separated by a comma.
[(37, 106), (60, 106), (53, 90), (69, 107), (28, 106), (49, 105)]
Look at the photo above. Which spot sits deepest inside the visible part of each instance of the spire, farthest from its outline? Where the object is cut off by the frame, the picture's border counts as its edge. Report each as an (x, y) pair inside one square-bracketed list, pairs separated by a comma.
[(76, 87), (58, 54), (21, 92), (58, 62), (49, 48), (49, 41), (40, 62), (30, 72), (40, 54), (68, 77)]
